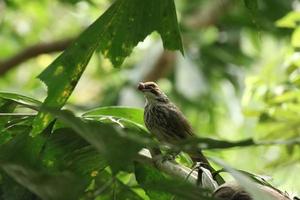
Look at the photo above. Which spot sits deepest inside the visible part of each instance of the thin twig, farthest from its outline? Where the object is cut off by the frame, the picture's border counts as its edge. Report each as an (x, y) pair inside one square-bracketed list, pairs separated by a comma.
[(33, 51)]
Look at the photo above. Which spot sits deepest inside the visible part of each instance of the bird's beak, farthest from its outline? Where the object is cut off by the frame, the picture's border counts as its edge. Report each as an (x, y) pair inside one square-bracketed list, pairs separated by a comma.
[(141, 86)]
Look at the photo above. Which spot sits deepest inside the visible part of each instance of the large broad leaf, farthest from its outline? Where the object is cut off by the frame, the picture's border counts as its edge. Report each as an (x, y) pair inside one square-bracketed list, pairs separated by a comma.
[(20, 158), (107, 187), (209, 143), (291, 20), (144, 175), (133, 114), (117, 147), (251, 186), (252, 5), (116, 32), (14, 191), (21, 99), (125, 116), (6, 106), (60, 186), (158, 186), (65, 149)]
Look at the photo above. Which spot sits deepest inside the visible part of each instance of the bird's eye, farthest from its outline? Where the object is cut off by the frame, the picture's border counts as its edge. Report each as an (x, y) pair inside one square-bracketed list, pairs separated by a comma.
[(151, 85), (155, 92)]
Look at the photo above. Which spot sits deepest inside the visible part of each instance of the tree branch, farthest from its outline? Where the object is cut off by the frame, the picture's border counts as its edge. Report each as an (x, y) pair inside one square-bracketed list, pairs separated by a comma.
[(207, 14), (31, 52), (162, 67), (227, 191), (171, 168), (203, 17)]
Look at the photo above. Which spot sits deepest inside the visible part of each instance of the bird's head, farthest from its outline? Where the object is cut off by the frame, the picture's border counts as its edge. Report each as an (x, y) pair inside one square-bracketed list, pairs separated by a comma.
[(152, 92)]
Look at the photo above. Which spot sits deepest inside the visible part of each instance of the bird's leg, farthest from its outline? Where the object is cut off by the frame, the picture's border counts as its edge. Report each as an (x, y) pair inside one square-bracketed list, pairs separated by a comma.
[(170, 155), (197, 166), (205, 177)]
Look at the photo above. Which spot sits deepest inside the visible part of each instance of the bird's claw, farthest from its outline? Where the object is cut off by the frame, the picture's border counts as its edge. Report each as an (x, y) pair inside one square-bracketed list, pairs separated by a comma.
[(165, 157), (168, 157), (198, 165)]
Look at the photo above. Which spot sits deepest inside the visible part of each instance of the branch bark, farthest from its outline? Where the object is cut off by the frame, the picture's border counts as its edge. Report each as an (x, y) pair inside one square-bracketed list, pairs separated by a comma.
[(162, 67), (32, 52), (203, 17), (168, 167), (228, 191), (207, 14)]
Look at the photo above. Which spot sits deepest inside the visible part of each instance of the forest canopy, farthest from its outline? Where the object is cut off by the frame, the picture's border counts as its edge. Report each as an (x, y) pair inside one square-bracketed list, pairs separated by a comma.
[(72, 118)]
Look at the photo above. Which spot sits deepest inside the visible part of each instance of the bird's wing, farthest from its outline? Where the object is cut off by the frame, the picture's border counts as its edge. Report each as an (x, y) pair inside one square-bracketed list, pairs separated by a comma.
[(178, 123)]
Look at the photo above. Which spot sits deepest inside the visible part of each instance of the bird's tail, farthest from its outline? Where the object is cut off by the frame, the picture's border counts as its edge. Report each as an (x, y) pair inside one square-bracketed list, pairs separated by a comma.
[(199, 157)]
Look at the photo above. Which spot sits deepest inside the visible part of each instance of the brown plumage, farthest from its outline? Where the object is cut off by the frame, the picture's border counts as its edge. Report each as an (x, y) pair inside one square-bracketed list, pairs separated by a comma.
[(164, 120)]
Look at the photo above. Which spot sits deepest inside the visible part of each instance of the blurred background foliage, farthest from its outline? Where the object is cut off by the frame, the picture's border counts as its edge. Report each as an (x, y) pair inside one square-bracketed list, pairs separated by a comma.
[(239, 77)]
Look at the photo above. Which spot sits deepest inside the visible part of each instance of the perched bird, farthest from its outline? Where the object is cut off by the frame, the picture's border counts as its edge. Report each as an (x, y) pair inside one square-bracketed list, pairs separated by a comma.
[(163, 119)]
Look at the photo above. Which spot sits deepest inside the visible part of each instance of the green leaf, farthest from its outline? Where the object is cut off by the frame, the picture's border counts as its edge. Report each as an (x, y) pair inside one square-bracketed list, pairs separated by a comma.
[(144, 175), (125, 26), (116, 32), (208, 143), (291, 20), (65, 149), (250, 186), (117, 147), (252, 5), (158, 186), (21, 99), (133, 114), (14, 191), (107, 187), (22, 149), (258, 179), (296, 37), (6, 106), (60, 186), (125, 116), (9, 133), (20, 158)]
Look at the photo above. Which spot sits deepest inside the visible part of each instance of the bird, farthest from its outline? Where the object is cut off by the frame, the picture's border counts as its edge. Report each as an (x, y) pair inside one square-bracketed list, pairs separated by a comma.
[(166, 122)]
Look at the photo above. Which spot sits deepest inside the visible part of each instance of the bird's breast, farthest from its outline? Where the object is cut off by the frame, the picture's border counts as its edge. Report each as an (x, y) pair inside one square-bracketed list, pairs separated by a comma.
[(157, 121)]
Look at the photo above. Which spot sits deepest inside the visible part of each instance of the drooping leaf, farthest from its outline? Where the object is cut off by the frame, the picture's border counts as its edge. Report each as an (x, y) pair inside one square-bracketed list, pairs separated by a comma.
[(14, 191), (60, 186), (296, 38), (21, 99), (258, 179), (158, 186), (209, 143), (125, 26), (133, 114), (20, 158), (252, 5), (291, 20), (116, 32), (144, 175), (9, 133), (125, 116), (250, 186), (117, 146), (107, 187), (22, 149), (16, 124), (65, 149), (6, 106)]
